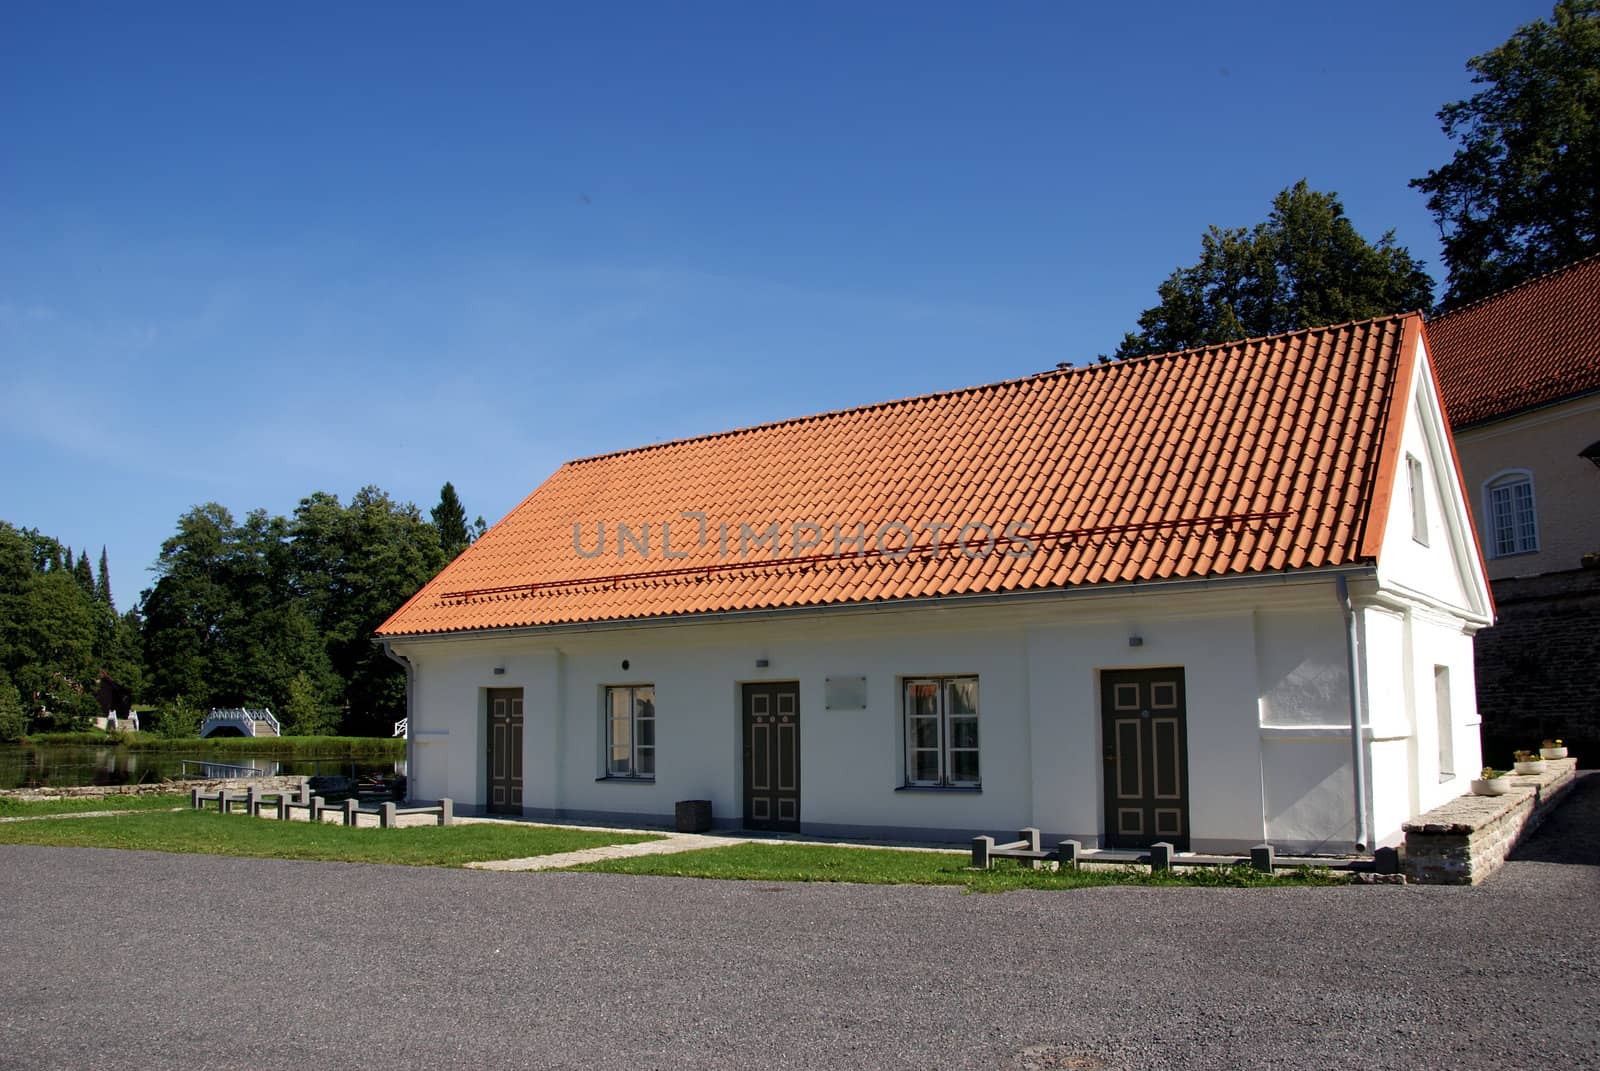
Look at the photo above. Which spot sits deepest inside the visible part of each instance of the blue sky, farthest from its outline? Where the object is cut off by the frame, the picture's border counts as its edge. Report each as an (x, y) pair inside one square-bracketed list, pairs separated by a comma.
[(252, 252)]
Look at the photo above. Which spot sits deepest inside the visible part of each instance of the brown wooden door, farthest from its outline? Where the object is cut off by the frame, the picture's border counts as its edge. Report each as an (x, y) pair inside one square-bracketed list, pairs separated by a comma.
[(1144, 731), (772, 756), (505, 750)]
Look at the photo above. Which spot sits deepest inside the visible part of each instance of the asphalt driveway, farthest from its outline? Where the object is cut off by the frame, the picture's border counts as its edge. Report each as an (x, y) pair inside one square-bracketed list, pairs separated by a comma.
[(149, 961)]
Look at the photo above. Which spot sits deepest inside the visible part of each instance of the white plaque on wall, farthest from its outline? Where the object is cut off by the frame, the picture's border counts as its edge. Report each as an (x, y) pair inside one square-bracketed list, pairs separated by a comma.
[(845, 693)]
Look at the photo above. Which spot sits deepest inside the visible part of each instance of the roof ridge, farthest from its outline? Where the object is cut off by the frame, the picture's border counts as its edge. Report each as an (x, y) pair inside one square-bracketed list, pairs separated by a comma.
[(1097, 367), (1543, 276), (1283, 334)]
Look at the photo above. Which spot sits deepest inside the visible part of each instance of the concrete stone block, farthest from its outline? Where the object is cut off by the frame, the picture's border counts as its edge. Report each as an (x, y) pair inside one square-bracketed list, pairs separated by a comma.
[(351, 809), (1262, 857), (1030, 838), (1160, 856), (1068, 851), (982, 852), (386, 816), (447, 812)]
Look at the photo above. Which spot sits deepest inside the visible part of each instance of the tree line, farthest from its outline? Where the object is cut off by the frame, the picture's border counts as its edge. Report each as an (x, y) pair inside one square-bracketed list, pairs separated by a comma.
[(261, 611)]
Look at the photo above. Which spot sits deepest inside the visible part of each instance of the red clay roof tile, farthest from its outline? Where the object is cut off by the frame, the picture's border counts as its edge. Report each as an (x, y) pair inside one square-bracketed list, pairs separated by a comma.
[(1238, 458), (1525, 347)]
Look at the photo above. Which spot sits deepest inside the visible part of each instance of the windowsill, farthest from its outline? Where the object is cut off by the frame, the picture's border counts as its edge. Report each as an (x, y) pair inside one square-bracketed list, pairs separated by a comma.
[(1513, 554), (943, 790), (617, 779)]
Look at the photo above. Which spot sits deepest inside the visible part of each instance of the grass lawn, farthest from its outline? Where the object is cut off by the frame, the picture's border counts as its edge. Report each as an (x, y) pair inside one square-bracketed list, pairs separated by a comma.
[(871, 866), (210, 833), (11, 807)]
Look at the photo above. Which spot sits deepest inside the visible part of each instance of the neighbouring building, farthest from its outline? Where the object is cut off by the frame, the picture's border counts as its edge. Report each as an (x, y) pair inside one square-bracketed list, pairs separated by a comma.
[(1137, 601), (1519, 373)]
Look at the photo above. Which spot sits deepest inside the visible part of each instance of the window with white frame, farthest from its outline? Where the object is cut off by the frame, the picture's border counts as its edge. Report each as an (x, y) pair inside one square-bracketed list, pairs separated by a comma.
[(1513, 525), (942, 732), (631, 732), (1446, 722), (1419, 499)]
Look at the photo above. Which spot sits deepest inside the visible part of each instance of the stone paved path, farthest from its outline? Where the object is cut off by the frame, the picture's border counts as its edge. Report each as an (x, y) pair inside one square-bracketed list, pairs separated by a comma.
[(668, 845), (76, 814)]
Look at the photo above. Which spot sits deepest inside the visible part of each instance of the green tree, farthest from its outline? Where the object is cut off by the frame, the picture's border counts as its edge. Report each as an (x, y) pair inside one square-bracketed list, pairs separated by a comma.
[(355, 565), (83, 573), (179, 719), (186, 611), (224, 624), (55, 635), (1305, 266), (305, 711), (1521, 195), (13, 723), (450, 518), (102, 582)]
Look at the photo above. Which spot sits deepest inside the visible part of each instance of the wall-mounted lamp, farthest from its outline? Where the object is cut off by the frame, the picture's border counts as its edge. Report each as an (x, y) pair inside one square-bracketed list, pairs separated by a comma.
[(1592, 453), (1135, 641), (761, 663), (499, 671)]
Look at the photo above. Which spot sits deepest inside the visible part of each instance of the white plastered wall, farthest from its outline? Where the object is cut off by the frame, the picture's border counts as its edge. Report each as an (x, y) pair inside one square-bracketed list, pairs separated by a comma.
[(1431, 597), (1267, 707)]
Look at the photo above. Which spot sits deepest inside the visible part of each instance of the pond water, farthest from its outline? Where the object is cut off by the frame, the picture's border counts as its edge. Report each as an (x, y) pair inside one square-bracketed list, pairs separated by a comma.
[(28, 767)]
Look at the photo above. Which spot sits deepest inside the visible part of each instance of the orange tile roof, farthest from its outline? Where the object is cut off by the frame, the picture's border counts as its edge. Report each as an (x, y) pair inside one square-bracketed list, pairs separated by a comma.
[(1249, 457), (1531, 345)]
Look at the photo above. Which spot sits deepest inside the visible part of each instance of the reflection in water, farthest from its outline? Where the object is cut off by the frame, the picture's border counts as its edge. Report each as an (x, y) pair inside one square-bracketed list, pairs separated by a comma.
[(29, 767)]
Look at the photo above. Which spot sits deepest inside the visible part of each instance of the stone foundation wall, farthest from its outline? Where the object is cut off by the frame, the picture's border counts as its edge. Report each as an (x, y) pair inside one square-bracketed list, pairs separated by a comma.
[(1468, 839), (1537, 667), (232, 784)]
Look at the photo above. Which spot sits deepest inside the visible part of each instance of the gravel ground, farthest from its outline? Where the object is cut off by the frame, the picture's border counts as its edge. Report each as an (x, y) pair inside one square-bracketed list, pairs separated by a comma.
[(150, 961)]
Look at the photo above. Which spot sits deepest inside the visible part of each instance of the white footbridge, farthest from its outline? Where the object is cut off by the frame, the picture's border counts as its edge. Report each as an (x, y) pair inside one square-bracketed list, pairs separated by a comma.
[(241, 720)]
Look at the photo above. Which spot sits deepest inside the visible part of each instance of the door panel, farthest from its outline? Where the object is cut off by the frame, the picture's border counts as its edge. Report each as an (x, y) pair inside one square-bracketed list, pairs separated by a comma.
[(505, 750), (1144, 733), (772, 756)]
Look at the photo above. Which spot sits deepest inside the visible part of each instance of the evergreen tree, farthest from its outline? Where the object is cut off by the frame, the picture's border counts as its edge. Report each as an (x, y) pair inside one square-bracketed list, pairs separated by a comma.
[(1305, 266), (102, 583), (83, 573), (450, 518), (1521, 195)]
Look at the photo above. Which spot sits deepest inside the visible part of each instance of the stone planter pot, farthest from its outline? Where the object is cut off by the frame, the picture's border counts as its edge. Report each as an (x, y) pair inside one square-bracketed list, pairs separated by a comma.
[(1552, 752), (1533, 766), (1493, 786)]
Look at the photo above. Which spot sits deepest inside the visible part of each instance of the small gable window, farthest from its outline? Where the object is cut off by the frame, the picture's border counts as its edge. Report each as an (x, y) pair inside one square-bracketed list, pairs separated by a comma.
[(1513, 525), (1419, 500)]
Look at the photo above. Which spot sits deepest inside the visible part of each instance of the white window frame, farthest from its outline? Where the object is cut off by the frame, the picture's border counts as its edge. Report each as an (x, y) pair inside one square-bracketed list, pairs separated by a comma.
[(1419, 499), (944, 722), (1444, 717), (1523, 534), (629, 759)]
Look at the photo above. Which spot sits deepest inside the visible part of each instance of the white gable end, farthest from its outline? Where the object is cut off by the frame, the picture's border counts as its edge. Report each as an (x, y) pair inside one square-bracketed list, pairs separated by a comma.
[(1429, 551)]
